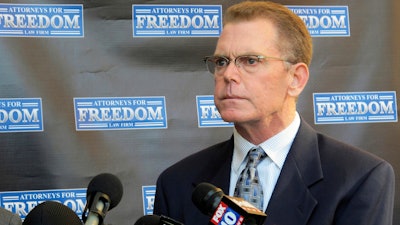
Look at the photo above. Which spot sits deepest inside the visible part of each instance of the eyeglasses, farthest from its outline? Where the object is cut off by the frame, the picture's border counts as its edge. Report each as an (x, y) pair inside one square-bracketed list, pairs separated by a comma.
[(249, 63)]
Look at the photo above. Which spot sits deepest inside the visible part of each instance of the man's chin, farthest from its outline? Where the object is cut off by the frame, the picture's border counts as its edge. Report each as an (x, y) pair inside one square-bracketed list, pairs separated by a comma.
[(231, 117)]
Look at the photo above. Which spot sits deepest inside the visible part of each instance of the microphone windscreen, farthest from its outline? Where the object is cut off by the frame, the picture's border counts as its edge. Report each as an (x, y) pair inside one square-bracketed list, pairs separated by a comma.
[(148, 220), (52, 213), (108, 184), (206, 197)]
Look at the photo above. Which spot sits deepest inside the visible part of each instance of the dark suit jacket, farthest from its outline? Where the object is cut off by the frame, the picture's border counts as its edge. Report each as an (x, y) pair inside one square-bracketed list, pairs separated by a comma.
[(9, 218), (323, 181)]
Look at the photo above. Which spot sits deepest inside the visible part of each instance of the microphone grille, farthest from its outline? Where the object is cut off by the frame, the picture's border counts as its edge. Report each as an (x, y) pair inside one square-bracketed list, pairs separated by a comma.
[(207, 197), (148, 220), (108, 184), (52, 213)]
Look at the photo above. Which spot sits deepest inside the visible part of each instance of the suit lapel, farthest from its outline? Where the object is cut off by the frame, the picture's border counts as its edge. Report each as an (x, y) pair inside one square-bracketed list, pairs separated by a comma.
[(222, 175), (217, 171), (291, 201)]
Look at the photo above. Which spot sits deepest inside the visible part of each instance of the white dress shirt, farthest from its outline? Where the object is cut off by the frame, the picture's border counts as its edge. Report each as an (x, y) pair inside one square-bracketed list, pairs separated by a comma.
[(276, 148)]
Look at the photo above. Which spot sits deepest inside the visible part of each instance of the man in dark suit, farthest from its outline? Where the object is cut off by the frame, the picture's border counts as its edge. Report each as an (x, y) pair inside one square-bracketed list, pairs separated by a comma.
[(260, 67), (9, 218)]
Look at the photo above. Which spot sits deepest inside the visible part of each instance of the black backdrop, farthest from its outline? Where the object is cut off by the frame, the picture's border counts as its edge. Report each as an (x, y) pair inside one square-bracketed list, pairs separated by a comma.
[(109, 62)]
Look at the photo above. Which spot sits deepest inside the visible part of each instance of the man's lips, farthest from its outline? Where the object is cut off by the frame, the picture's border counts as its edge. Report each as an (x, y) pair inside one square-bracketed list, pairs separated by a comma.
[(227, 97)]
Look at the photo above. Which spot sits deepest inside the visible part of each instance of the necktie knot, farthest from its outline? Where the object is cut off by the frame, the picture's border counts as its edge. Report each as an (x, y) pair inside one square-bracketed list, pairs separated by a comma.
[(256, 155)]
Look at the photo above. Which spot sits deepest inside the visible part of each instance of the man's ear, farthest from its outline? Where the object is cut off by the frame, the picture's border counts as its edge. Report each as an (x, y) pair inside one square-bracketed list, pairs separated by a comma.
[(299, 75)]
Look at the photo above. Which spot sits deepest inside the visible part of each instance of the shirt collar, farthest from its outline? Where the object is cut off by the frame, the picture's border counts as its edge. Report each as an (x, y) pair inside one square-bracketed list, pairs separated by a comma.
[(276, 147)]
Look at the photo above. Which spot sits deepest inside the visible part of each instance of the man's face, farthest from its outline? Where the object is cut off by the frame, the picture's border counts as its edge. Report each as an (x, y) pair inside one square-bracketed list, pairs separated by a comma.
[(244, 97)]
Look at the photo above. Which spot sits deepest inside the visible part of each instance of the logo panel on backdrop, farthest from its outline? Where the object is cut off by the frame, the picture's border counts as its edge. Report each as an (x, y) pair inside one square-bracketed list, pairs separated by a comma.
[(40, 20), (176, 20), (355, 107), (324, 21), (22, 202), (21, 115), (149, 194), (207, 113), (122, 113)]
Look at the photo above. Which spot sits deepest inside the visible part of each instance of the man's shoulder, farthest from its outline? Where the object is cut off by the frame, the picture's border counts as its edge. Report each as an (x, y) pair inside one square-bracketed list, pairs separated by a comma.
[(336, 154), (206, 159), (332, 148), (210, 153), (340, 159)]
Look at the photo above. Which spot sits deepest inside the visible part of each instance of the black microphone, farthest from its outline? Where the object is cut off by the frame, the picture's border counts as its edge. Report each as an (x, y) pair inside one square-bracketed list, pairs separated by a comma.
[(104, 192), (224, 209), (156, 220), (51, 213)]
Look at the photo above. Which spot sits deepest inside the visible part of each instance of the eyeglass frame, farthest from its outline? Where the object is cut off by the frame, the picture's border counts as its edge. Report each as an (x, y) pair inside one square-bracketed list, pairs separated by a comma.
[(228, 60)]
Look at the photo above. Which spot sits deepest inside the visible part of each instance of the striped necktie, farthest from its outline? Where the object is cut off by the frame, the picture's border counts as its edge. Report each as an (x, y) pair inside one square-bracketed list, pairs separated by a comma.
[(248, 185)]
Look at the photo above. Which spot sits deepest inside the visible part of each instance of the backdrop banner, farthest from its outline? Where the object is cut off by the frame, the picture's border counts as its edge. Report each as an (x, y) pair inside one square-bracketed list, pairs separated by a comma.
[(90, 87)]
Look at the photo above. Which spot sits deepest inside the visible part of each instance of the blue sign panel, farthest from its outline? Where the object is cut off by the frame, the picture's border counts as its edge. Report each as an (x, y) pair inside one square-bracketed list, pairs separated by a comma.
[(40, 20), (324, 21), (22, 202), (120, 113), (21, 115), (207, 113), (176, 20), (355, 107), (149, 194)]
